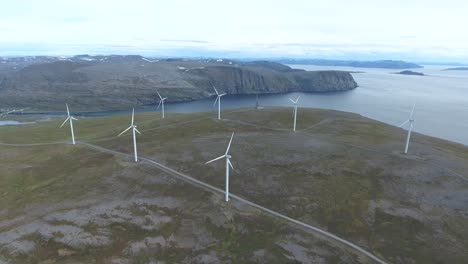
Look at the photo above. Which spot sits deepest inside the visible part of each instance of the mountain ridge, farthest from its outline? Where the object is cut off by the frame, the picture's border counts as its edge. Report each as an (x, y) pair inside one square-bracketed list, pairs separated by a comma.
[(119, 82)]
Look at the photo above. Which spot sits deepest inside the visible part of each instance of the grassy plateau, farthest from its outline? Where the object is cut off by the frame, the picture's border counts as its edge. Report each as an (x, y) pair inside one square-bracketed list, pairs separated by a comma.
[(63, 203)]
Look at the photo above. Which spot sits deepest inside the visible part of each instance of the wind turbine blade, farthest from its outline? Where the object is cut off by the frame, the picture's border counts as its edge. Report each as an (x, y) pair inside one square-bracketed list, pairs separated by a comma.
[(217, 98), (125, 131), (220, 157), (73, 118), (159, 104), (229, 145), (404, 123), (297, 99), (165, 98), (133, 115), (137, 131), (65, 121), (160, 97), (216, 91), (292, 100), (223, 94), (230, 164), (68, 111), (412, 111)]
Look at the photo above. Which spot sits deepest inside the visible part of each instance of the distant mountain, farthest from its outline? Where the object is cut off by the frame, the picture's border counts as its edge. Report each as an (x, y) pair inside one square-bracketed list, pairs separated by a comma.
[(385, 64), (410, 73), (96, 83), (457, 69)]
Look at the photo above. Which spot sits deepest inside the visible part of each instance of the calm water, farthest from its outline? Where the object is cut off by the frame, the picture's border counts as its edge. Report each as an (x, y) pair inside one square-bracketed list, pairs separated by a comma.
[(441, 99)]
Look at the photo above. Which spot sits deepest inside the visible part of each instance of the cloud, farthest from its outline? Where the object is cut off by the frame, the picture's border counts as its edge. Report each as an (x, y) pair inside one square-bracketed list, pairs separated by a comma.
[(184, 40), (73, 19), (283, 28)]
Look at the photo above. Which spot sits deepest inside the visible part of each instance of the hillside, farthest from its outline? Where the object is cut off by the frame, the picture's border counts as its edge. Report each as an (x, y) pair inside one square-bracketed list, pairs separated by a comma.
[(340, 172), (120, 82), (385, 64)]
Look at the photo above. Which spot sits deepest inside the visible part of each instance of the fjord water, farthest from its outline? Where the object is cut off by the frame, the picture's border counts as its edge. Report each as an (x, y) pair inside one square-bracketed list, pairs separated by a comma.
[(441, 99)]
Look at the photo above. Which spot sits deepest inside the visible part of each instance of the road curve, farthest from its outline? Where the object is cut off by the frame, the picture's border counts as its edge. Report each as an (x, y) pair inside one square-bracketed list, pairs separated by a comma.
[(207, 186)]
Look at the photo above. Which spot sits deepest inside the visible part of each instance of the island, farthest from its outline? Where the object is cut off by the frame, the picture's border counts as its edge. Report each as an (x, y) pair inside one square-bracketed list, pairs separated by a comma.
[(409, 73), (457, 69), (384, 64)]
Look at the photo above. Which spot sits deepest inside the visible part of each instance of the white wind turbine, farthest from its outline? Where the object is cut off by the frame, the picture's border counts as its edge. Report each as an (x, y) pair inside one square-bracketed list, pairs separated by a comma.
[(218, 100), (134, 129), (7, 112), (70, 118), (295, 111), (161, 103), (411, 124), (228, 164)]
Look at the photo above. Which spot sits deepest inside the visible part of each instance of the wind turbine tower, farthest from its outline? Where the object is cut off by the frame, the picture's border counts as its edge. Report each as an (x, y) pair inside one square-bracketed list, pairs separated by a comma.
[(218, 100), (70, 118), (161, 103), (295, 111), (410, 121), (134, 129), (228, 164)]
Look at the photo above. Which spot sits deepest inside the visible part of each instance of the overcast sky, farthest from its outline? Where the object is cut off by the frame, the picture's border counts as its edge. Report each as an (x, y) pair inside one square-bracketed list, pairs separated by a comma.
[(412, 29)]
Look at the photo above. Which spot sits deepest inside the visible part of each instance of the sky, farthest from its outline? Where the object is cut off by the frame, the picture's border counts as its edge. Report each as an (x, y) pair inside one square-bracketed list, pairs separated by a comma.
[(417, 30)]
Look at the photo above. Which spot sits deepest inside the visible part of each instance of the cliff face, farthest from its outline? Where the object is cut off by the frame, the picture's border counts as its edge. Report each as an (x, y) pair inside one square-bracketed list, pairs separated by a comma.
[(117, 82), (325, 81), (246, 80), (237, 80)]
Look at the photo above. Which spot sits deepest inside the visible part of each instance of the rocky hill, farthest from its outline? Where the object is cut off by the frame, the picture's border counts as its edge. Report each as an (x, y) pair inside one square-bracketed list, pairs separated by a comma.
[(117, 82), (340, 172)]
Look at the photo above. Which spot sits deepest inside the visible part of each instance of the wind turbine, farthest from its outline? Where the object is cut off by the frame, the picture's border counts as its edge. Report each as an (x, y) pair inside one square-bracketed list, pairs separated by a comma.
[(228, 164), (70, 118), (218, 99), (22, 110), (295, 111), (161, 103), (7, 112), (411, 124), (134, 129)]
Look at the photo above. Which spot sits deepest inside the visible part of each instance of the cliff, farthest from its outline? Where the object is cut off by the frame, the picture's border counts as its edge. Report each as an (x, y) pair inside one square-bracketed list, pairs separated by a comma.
[(118, 82)]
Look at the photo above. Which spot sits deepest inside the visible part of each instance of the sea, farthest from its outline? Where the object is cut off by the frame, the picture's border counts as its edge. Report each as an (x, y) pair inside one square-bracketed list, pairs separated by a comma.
[(440, 99)]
